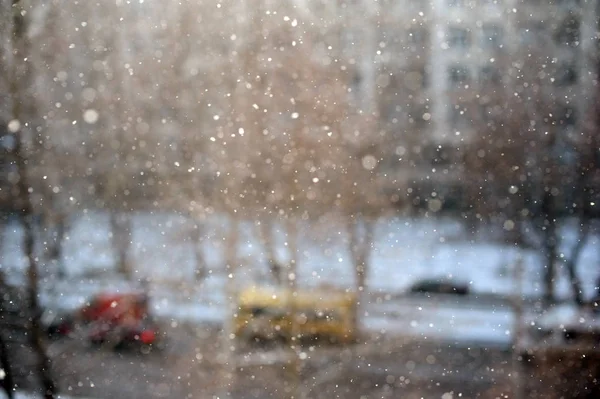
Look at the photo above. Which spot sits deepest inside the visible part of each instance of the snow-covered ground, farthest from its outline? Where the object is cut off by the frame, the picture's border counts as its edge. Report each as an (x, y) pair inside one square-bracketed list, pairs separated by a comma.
[(447, 321), (404, 251)]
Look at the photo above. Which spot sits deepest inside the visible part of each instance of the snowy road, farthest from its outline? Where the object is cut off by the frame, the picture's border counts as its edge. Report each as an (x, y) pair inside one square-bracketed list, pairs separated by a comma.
[(471, 319), (457, 320), (187, 368)]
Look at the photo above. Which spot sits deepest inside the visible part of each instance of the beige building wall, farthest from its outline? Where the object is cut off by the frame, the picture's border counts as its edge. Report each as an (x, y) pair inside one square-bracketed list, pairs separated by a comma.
[(472, 50)]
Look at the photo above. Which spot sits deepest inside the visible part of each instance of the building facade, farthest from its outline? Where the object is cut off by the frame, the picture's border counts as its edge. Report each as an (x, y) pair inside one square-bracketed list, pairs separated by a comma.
[(430, 69)]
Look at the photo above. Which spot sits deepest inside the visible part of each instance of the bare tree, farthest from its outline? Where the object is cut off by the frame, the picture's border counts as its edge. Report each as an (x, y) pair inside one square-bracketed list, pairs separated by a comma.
[(527, 173), (5, 364), (8, 383), (21, 116)]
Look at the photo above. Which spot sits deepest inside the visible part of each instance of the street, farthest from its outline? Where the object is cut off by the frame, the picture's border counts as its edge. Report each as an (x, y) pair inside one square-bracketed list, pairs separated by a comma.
[(468, 320), (191, 367), (413, 347)]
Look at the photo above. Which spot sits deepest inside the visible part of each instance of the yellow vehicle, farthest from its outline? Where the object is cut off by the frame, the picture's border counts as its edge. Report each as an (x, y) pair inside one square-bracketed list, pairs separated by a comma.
[(267, 313)]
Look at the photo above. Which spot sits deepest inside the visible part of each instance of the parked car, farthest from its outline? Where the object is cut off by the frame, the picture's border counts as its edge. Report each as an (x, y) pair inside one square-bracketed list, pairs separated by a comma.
[(561, 328), (116, 319), (57, 324), (440, 286), (267, 313)]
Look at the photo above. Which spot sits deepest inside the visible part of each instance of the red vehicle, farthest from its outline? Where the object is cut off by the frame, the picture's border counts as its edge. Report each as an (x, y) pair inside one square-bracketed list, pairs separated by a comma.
[(116, 319)]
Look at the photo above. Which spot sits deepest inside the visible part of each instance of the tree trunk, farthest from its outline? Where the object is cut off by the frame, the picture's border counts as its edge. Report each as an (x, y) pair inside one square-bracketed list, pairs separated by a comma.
[(550, 245), (515, 236), (583, 190), (295, 366), (8, 383), (571, 263), (472, 223), (121, 242), (266, 235), (56, 235), (3, 233), (18, 88), (360, 232), (549, 273), (200, 272), (354, 243), (36, 336), (227, 353), (518, 377)]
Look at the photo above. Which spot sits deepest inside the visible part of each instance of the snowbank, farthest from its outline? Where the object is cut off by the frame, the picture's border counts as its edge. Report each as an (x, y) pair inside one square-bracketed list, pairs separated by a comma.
[(404, 250)]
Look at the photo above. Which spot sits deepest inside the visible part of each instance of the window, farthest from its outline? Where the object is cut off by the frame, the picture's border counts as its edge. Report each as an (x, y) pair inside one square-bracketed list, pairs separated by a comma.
[(351, 39), (425, 77), (356, 83), (458, 37), (7, 142), (492, 36), (390, 41), (489, 112), (567, 33), (320, 315), (440, 155), (533, 33), (566, 116), (458, 74), (456, 3), (417, 37), (458, 118), (568, 3), (566, 74), (489, 74), (417, 114), (416, 78)]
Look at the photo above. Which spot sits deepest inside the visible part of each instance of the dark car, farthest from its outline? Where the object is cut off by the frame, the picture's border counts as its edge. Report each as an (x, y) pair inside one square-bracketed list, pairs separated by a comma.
[(440, 286), (57, 324)]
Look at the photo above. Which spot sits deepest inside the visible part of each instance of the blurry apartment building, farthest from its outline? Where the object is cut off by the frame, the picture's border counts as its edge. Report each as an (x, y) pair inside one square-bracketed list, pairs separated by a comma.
[(428, 68)]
